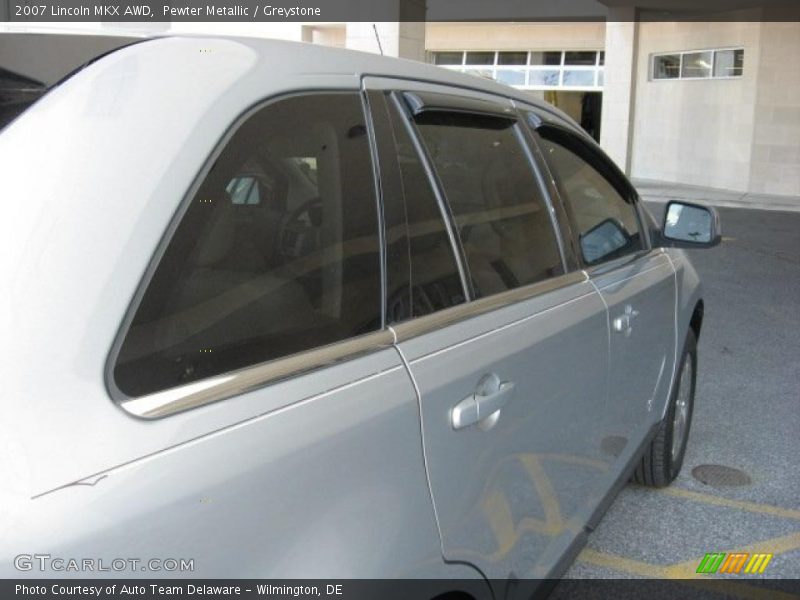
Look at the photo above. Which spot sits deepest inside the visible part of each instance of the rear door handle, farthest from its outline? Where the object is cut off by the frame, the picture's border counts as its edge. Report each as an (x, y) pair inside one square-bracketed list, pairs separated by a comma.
[(488, 405), (489, 398)]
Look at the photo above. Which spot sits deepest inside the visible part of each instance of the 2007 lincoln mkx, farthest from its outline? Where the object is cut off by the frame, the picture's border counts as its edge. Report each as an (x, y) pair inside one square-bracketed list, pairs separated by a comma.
[(293, 311)]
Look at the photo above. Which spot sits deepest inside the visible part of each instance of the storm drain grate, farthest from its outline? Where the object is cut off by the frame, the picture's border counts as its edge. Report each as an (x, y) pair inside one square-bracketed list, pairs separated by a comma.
[(720, 476)]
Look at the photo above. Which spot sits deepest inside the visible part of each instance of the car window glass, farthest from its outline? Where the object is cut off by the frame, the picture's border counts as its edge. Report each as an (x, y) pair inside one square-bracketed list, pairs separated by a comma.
[(431, 281), (276, 253), (606, 220), (502, 218)]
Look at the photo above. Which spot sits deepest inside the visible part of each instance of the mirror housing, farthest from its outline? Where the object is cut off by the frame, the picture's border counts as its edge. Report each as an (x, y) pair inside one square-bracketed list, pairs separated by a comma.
[(688, 225)]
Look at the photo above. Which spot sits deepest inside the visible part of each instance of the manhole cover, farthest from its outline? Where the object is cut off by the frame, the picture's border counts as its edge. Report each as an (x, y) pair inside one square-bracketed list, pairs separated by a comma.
[(720, 476)]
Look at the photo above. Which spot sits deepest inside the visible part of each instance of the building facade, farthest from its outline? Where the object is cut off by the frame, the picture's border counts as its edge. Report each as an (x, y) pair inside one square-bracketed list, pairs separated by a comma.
[(713, 104)]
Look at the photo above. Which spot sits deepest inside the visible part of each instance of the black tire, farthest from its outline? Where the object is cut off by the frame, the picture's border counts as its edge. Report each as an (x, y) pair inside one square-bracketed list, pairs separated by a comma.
[(658, 466)]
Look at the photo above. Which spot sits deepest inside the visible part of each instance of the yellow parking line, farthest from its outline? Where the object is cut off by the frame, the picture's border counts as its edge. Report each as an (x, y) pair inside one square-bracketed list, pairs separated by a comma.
[(764, 509), (545, 491)]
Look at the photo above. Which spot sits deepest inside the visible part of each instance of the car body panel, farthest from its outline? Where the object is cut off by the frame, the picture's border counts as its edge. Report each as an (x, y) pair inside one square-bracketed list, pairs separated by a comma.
[(332, 459), (275, 492), (507, 494), (642, 363)]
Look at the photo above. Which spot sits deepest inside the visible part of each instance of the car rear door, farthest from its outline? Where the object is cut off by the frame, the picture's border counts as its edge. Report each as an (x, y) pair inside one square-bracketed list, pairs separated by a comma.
[(636, 282), (265, 306), (506, 344)]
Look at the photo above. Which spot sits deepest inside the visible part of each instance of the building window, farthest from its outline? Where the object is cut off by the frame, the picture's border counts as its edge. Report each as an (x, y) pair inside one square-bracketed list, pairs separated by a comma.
[(512, 58), (576, 70), (695, 65), (699, 64), (545, 58), (728, 63), (584, 59), (448, 58), (667, 66), (480, 58)]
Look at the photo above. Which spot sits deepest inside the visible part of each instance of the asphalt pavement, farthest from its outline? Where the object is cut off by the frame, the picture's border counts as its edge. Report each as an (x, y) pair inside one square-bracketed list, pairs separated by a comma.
[(747, 416)]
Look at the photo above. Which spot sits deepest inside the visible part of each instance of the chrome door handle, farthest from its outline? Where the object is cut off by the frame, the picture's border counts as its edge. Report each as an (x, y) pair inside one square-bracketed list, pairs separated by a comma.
[(624, 322), (489, 398), (465, 413), (488, 405)]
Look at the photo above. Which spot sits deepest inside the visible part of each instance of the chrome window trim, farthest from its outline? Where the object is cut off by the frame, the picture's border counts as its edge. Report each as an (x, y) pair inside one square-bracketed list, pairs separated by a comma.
[(438, 192), (449, 316), (545, 191), (234, 383), (376, 176), (622, 261)]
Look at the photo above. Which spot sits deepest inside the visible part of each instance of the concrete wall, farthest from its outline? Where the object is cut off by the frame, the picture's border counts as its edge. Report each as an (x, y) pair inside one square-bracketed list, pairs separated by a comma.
[(404, 39), (616, 128), (696, 131), (515, 36), (775, 165), (335, 36)]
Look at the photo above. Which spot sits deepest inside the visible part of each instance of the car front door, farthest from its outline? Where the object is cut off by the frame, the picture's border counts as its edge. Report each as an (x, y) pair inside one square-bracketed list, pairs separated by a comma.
[(506, 345), (637, 284)]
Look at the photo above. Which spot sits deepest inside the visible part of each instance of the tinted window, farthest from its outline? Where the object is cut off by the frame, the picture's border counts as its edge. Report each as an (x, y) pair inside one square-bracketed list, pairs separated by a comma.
[(277, 252), (429, 279), (502, 219), (606, 220)]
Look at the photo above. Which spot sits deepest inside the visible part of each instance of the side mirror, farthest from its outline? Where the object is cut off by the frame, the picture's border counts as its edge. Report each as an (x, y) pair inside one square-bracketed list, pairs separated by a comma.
[(604, 240), (690, 226)]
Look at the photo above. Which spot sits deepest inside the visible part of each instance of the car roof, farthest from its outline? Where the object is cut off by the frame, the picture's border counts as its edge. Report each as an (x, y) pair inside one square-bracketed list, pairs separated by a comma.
[(300, 58), (316, 59)]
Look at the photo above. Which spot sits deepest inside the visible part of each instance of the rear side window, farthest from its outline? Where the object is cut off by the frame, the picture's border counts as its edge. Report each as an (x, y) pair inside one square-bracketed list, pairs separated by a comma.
[(277, 252), (499, 210), (606, 220)]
